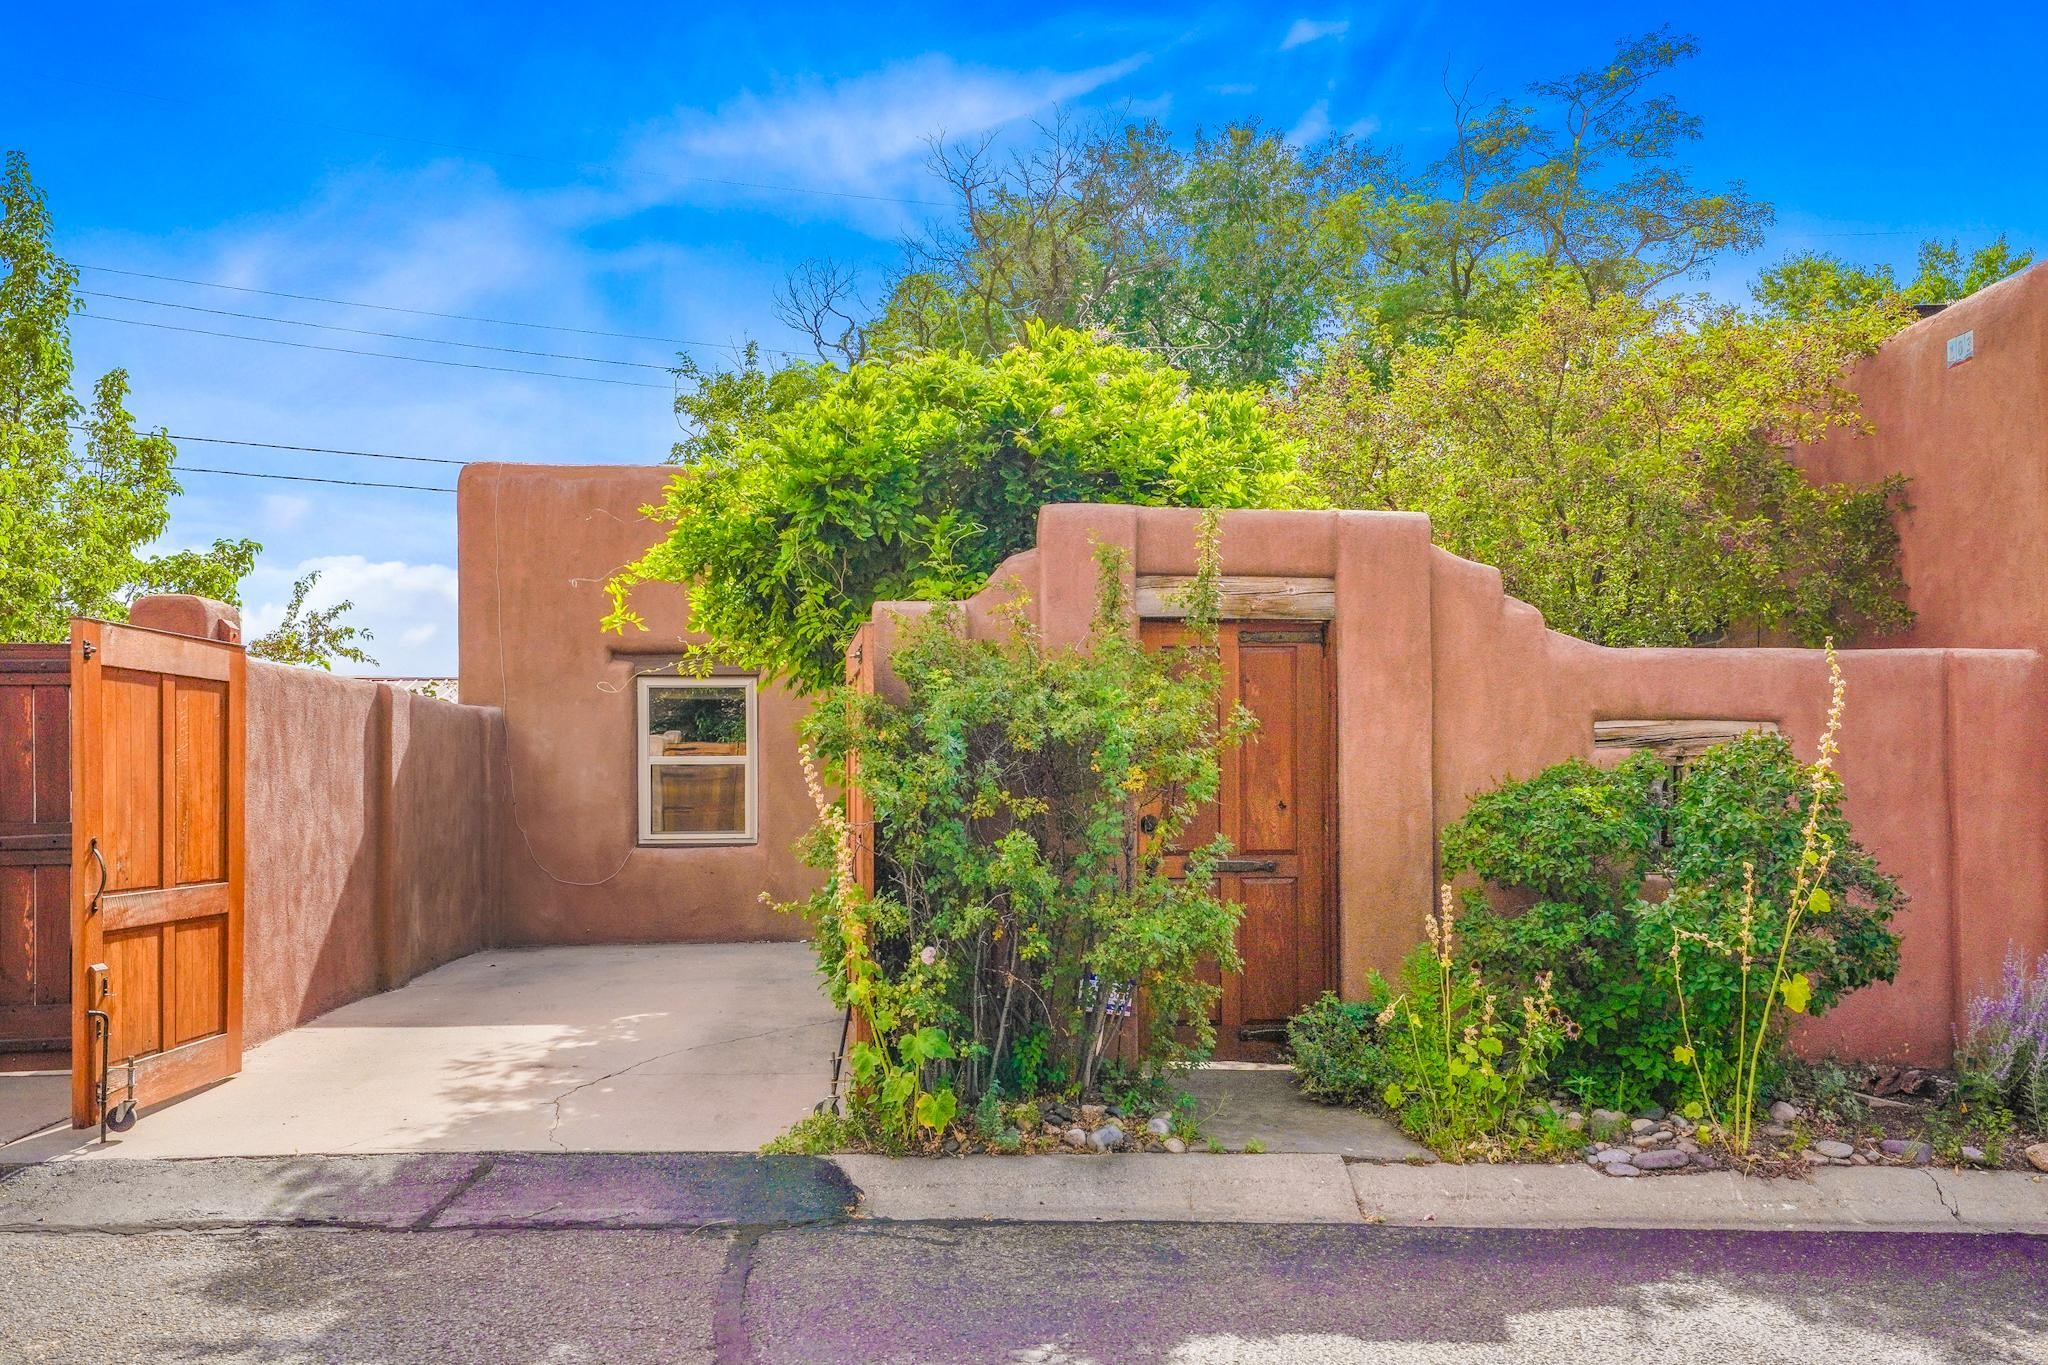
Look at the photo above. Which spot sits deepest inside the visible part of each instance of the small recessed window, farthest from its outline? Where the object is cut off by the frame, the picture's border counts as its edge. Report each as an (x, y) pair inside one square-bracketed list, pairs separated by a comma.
[(697, 747)]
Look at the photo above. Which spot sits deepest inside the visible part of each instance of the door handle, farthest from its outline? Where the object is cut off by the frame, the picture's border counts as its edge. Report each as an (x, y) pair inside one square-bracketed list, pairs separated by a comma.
[(92, 906), (1247, 864)]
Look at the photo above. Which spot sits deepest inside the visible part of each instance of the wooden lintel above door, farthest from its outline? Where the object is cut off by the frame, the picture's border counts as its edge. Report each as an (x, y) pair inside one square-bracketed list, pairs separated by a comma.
[(1162, 597)]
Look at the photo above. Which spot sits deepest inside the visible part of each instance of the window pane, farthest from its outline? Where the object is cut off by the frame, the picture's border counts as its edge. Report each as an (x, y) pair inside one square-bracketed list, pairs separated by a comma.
[(700, 798), (696, 720)]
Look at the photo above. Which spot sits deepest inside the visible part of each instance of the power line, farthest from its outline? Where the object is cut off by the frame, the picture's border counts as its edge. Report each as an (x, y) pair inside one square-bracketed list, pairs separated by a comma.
[(424, 312), (325, 450), (380, 355), (367, 332), (307, 478), (311, 450)]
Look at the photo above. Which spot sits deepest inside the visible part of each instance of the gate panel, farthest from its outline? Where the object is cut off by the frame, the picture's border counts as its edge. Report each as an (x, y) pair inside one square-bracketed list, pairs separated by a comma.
[(35, 848), (156, 863)]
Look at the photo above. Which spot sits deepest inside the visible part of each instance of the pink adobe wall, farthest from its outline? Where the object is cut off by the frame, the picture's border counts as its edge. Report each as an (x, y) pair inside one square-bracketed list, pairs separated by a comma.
[(1973, 440), (372, 848), (537, 545), (1446, 687)]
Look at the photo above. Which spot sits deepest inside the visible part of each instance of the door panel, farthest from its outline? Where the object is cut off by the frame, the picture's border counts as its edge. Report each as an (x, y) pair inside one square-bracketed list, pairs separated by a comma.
[(1269, 801), (1274, 806), (199, 794), (127, 724), (157, 795), (35, 850)]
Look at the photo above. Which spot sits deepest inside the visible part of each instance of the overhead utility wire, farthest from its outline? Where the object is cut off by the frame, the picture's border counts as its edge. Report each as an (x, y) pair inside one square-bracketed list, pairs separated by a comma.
[(380, 355), (424, 312), (307, 478), (367, 332), (325, 450)]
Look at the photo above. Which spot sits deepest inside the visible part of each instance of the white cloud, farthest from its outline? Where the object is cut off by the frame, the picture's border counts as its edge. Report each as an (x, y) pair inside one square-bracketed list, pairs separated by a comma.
[(1305, 31), (1313, 125), (865, 135)]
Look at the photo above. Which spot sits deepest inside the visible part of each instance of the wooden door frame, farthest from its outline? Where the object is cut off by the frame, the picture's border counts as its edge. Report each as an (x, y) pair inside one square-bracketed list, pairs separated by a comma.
[(96, 646), (1330, 922)]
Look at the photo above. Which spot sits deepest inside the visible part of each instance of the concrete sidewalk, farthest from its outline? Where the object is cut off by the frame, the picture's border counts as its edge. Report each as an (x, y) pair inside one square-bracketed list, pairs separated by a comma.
[(647, 1048), (442, 1191)]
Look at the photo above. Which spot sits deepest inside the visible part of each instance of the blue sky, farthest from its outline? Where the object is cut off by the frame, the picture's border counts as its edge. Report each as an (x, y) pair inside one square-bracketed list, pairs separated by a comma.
[(562, 164)]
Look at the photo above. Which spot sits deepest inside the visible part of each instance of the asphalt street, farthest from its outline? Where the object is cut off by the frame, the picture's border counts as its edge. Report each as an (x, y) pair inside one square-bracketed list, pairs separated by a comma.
[(1052, 1293)]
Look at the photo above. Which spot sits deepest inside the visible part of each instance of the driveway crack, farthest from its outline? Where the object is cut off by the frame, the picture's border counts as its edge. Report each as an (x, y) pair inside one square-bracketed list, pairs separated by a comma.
[(1947, 1200)]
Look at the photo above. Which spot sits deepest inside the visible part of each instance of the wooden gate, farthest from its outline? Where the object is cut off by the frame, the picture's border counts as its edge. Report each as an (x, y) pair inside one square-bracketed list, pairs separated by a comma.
[(156, 864), (1275, 806), (35, 855)]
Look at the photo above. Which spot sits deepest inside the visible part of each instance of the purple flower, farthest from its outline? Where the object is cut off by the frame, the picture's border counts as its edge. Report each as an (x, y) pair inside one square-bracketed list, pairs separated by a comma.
[(929, 956)]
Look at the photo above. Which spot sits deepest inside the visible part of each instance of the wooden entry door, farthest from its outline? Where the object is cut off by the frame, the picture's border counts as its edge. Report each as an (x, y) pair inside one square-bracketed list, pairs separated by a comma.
[(1275, 806), (156, 803)]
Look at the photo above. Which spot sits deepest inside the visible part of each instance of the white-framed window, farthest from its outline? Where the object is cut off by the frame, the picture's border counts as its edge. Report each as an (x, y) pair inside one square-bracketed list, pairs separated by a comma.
[(699, 738)]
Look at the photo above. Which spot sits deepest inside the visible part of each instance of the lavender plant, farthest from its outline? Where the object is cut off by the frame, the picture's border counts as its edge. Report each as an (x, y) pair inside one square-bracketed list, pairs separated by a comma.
[(2003, 1056)]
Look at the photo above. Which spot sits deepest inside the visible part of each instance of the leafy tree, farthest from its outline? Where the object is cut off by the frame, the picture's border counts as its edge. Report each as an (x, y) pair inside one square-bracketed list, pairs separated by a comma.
[(1580, 188), (1237, 254), (914, 475), (1622, 464), (1815, 284), (82, 491), (313, 637), (1221, 257)]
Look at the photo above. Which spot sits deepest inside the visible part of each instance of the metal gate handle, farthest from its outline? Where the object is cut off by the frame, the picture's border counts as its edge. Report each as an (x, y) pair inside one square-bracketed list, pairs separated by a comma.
[(92, 906)]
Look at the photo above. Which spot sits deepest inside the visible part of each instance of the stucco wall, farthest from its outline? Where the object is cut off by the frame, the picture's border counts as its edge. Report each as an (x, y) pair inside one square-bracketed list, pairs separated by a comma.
[(371, 845), (537, 545), (1973, 441), (1446, 687)]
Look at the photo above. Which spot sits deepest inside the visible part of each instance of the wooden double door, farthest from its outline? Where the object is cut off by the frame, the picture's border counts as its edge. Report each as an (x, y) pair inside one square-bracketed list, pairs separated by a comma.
[(1276, 807)]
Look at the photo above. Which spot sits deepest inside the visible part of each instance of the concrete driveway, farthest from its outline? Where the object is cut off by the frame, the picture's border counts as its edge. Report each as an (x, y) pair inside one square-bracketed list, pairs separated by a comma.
[(663, 1047)]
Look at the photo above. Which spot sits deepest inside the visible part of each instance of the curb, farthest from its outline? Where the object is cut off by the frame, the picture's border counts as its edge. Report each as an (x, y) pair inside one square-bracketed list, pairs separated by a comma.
[(1327, 1189), (628, 1190)]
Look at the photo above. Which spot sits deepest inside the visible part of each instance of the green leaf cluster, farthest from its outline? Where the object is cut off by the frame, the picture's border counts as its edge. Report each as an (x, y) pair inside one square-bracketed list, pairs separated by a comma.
[(912, 477), (1812, 285), (1464, 1072), (1588, 873), (1622, 464), (1338, 1051)]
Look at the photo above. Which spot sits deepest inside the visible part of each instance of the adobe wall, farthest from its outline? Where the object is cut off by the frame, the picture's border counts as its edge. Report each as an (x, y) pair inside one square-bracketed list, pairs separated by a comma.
[(537, 545), (1972, 439), (371, 847), (1446, 687)]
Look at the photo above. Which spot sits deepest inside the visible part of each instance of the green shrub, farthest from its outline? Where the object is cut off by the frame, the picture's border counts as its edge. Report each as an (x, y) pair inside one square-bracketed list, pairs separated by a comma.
[(808, 496), (1017, 910), (1463, 1080), (1337, 1049), (1576, 848)]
